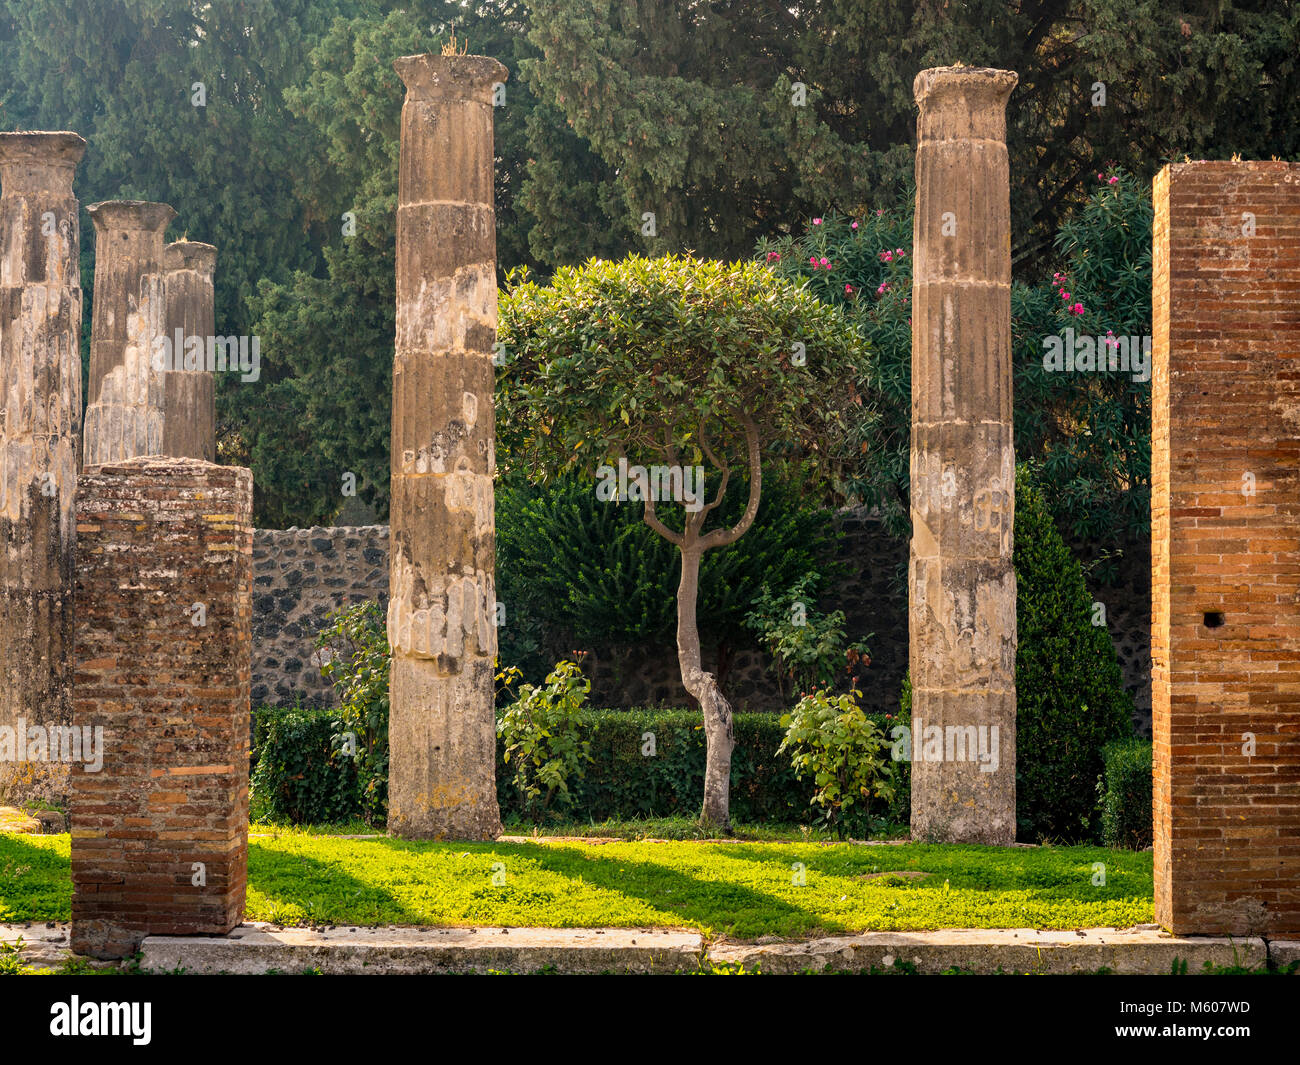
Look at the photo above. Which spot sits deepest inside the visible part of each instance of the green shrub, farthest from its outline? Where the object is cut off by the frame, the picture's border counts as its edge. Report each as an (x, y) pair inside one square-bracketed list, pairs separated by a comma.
[(1125, 788), (357, 666), (1070, 697), (650, 763), (806, 646), (832, 741), (302, 776), (540, 733)]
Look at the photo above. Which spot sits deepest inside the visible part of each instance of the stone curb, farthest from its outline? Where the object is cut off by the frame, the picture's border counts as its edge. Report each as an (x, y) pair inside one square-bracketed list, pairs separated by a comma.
[(1008, 950), (259, 948), (389, 951)]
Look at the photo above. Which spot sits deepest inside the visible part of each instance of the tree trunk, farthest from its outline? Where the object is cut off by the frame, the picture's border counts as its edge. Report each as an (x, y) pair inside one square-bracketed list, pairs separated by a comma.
[(717, 711)]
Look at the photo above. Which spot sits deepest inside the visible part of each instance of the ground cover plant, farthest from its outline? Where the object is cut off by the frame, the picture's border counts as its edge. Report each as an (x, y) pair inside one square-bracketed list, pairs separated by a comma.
[(741, 890)]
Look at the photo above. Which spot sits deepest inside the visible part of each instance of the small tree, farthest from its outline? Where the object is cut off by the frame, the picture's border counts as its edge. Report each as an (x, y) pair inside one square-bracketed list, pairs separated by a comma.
[(678, 362)]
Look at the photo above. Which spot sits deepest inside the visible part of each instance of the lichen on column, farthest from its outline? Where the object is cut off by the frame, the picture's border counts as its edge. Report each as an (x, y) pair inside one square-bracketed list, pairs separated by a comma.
[(125, 400), (442, 736), (189, 388), (962, 618), (40, 412)]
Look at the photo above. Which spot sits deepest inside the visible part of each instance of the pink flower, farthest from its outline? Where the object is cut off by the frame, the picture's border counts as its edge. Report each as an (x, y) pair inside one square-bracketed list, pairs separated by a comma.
[(886, 256), (1112, 181), (812, 260), (818, 221), (825, 262), (899, 252), (884, 287), (854, 226), (1077, 309), (1101, 177), (1065, 296), (772, 256), (879, 213), (848, 290)]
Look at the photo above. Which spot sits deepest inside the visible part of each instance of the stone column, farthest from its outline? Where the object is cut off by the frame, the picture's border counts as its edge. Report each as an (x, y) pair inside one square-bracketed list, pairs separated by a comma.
[(962, 619), (124, 405), (441, 731), (40, 411), (164, 643), (189, 391)]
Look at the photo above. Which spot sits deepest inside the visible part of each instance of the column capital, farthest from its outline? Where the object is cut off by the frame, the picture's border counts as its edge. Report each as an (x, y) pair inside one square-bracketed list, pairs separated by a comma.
[(190, 255), (456, 76), (110, 215), (35, 153), (960, 103)]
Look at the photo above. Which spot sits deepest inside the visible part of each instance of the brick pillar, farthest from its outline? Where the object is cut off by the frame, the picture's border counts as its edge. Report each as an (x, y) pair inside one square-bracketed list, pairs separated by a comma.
[(1225, 529), (442, 735), (164, 588), (40, 412), (124, 401), (962, 618), (189, 403)]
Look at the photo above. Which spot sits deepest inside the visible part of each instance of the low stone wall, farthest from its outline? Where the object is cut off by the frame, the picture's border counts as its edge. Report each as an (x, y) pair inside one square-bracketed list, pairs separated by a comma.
[(300, 576)]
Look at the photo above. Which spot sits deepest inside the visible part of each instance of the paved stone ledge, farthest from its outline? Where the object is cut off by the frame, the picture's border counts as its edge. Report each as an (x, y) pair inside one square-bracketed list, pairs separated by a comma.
[(257, 948), (1009, 950), (1283, 952)]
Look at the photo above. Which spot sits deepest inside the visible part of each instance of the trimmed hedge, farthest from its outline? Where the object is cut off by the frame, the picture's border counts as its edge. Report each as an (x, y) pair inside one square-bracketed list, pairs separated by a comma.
[(300, 775), (300, 778), (1126, 794)]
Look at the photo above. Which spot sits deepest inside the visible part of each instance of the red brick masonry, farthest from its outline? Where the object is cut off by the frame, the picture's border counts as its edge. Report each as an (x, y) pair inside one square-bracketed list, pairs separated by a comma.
[(155, 537), (1225, 509)]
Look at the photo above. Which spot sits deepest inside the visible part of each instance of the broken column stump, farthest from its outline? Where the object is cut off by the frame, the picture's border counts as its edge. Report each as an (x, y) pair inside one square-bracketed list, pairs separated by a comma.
[(1225, 548), (40, 414), (442, 734), (189, 388), (163, 646), (962, 617), (125, 392)]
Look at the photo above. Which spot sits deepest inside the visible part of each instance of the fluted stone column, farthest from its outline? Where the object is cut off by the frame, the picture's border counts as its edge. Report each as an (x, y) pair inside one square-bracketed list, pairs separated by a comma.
[(962, 622), (189, 400), (40, 411), (125, 401), (440, 617)]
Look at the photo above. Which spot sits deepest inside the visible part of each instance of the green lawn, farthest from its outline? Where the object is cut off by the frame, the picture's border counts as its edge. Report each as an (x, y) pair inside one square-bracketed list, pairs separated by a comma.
[(741, 889)]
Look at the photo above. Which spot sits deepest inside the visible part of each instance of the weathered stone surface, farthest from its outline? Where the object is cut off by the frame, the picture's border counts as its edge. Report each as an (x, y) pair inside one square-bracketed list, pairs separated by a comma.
[(1225, 528), (125, 406), (258, 948), (962, 613), (994, 950), (160, 832), (189, 391), (40, 413), (441, 609)]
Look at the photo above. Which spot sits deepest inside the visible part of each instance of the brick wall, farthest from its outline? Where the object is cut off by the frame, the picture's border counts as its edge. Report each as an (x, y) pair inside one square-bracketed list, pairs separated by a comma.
[(160, 831), (1226, 547)]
